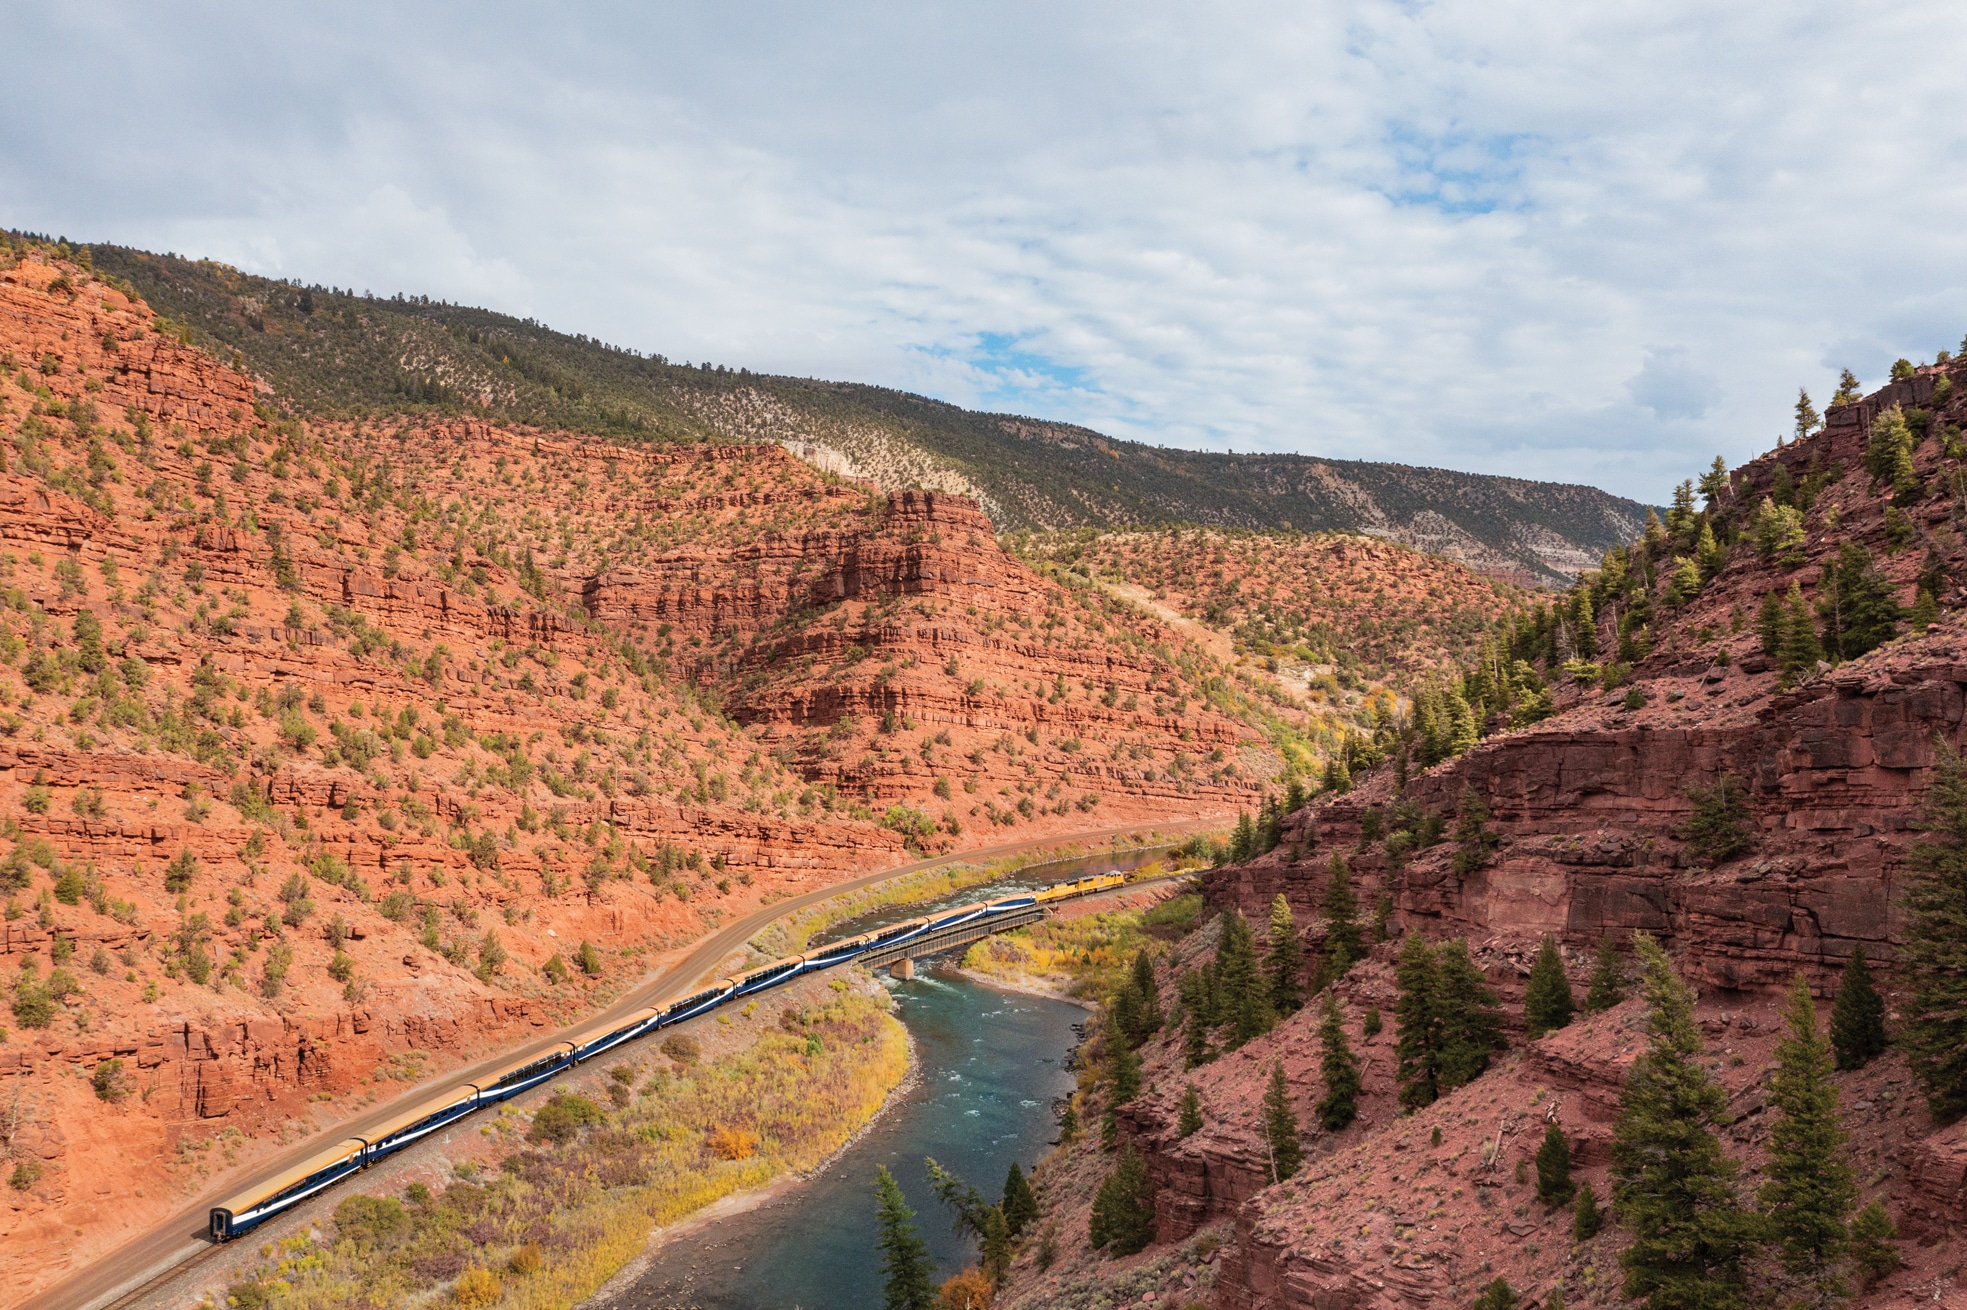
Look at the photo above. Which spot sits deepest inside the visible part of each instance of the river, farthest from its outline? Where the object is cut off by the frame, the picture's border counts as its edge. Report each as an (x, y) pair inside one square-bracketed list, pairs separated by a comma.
[(991, 1064)]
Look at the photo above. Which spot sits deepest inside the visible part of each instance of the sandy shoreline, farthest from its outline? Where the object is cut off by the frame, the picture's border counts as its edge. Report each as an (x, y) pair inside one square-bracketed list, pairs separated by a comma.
[(740, 1202), (1025, 984)]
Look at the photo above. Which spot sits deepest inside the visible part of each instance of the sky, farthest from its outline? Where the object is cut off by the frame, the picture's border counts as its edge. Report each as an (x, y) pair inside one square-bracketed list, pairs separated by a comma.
[(1586, 243)]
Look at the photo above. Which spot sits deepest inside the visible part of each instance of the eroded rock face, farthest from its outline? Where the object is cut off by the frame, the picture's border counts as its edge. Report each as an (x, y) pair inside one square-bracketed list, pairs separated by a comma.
[(1593, 825)]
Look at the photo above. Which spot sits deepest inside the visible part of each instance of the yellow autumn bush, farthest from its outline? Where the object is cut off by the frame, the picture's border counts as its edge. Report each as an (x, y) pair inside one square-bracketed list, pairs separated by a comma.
[(477, 1286), (732, 1143)]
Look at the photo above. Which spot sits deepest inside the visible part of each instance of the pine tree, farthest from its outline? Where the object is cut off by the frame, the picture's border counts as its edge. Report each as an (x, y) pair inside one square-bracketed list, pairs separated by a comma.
[(976, 1217), (1463, 731), (1191, 1114), (1343, 947), (1195, 1041), (1858, 606), (1847, 391), (1472, 836), (1672, 1185), (1715, 483), (1709, 554), (1149, 1018), (1797, 651), (1720, 828), (1769, 623), (1281, 1127), (1020, 1203), (1284, 958), (1242, 998), (1382, 915), (1547, 1004), (1498, 1295), (1069, 1123), (1417, 1024), (1554, 1186), (1873, 1235), (1806, 415), (1857, 1020), (1888, 451), (904, 1256), (1811, 1189), (1340, 1104), (1608, 980), (1254, 1017), (1123, 1209), (1934, 958), (1124, 1014), (1123, 1072), (1925, 611), (1555, 1301), (1471, 1024), (1684, 583), (994, 1244), (1586, 1217)]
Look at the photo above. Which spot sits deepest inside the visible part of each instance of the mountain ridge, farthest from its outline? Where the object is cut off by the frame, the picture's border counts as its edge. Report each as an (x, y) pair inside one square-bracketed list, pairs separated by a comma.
[(331, 353)]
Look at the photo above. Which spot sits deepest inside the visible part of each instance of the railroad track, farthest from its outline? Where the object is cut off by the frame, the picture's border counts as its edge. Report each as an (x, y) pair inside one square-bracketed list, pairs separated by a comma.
[(148, 1264)]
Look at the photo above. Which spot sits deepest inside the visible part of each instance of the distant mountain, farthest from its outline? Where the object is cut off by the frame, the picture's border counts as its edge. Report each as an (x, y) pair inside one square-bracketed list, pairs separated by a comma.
[(331, 353)]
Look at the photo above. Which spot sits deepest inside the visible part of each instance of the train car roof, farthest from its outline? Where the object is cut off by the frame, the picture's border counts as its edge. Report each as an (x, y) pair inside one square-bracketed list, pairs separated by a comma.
[(421, 1108), (247, 1197), (597, 1029), (519, 1062)]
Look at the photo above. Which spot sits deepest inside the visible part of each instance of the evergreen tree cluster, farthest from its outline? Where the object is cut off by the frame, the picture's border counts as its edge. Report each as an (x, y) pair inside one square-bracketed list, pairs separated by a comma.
[(1236, 990), (1676, 1191), (1135, 1013), (1447, 1023)]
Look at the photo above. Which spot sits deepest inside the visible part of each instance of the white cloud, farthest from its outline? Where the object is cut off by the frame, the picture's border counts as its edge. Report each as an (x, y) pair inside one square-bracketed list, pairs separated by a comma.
[(1570, 241)]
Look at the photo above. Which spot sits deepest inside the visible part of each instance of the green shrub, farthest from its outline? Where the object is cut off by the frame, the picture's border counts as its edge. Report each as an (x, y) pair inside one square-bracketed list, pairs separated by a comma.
[(371, 1219), (1718, 829), (561, 1119), (179, 872), (1180, 913), (108, 1081)]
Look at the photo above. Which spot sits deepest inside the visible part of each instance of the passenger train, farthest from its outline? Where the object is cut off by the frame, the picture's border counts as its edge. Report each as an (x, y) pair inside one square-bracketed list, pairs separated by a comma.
[(328, 1166)]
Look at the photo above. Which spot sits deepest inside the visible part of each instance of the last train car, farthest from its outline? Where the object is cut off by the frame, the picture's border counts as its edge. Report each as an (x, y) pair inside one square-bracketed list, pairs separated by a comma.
[(253, 1206)]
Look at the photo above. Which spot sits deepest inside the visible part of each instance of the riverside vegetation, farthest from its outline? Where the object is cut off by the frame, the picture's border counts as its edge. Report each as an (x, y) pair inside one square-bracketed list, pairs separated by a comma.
[(1108, 957), (579, 1184)]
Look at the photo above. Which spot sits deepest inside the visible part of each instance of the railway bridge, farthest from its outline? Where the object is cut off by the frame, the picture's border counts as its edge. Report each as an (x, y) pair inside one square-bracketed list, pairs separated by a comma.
[(902, 957)]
